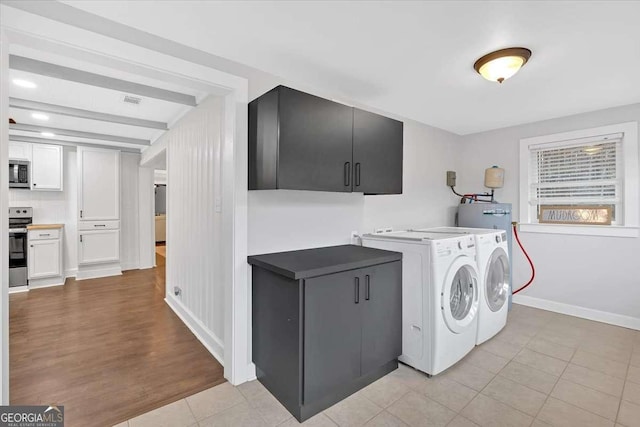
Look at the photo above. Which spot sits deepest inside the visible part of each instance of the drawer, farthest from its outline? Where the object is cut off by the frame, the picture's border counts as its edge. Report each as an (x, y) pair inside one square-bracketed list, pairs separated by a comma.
[(44, 234), (98, 225)]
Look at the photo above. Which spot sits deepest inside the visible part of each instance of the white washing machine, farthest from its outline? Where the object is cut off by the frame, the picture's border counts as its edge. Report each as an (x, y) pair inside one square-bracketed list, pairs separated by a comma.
[(493, 266), (439, 296)]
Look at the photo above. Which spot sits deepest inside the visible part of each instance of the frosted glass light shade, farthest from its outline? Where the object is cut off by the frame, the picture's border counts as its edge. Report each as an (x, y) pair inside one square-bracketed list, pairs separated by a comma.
[(498, 66)]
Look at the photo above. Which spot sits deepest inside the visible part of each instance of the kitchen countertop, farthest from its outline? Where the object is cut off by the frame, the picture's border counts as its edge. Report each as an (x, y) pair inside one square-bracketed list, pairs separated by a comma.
[(44, 226), (320, 261)]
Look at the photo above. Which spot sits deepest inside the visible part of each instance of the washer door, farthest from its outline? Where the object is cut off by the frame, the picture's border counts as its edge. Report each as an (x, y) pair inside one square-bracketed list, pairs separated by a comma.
[(496, 280), (459, 303)]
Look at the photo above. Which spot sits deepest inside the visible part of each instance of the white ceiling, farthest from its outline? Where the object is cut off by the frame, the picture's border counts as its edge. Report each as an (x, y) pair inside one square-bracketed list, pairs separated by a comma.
[(415, 58), (92, 98)]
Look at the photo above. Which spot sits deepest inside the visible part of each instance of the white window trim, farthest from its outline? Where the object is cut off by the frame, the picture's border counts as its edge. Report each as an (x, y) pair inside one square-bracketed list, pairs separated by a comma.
[(631, 182)]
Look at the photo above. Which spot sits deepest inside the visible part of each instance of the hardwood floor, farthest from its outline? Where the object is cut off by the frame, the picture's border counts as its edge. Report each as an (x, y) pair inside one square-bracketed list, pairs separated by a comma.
[(107, 349)]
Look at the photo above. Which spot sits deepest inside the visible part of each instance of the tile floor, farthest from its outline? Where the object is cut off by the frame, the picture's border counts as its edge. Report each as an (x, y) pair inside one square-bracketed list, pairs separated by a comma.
[(543, 369)]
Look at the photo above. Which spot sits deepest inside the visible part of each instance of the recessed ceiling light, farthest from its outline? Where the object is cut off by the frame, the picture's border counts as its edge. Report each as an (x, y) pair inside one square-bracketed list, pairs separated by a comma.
[(25, 83), (498, 66), (48, 134), (40, 116)]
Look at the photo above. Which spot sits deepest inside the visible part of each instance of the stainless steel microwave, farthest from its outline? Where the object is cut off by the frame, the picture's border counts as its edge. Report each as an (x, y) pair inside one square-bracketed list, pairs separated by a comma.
[(19, 174)]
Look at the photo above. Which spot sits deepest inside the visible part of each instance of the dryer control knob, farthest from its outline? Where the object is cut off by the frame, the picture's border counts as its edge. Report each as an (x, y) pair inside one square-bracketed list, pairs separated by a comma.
[(497, 239), (459, 245)]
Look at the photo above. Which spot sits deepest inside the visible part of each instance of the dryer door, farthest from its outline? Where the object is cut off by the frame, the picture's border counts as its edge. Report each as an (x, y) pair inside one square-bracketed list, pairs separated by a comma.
[(459, 303), (497, 279)]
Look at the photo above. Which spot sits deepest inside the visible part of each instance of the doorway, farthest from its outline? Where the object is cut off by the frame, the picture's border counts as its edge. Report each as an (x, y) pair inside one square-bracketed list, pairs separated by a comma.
[(232, 92)]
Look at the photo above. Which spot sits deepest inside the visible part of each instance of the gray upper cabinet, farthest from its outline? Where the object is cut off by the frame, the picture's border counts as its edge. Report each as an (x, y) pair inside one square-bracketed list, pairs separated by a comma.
[(377, 153), (299, 141)]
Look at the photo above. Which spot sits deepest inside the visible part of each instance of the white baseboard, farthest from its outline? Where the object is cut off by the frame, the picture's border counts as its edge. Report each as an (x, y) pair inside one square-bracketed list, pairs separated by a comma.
[(46, 283), (204, 335), (72, 272), (130, 266), (251, 372), (94, 273), (577, 311)]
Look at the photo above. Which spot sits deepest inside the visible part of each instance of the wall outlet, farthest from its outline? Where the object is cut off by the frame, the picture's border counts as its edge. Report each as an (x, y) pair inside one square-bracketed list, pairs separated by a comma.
[(383, 230), (451, 178), (355, 238)]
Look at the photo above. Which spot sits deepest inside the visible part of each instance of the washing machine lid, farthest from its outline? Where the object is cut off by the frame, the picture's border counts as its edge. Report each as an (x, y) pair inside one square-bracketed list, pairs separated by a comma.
[(409, 235), (458, 230), (497, 279), (459, 295)]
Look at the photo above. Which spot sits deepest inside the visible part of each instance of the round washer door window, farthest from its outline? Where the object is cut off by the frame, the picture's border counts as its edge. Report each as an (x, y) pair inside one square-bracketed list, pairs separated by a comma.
[(460, 295), (497, 280)]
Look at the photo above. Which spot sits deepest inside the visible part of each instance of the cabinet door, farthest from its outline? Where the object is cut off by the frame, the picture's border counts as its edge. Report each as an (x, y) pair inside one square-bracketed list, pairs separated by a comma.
[(377, 153), (315, 146), (19, 150), (99, 246), (332, 328), (46, 167), (381, 315), (44, 259), (98, 184)]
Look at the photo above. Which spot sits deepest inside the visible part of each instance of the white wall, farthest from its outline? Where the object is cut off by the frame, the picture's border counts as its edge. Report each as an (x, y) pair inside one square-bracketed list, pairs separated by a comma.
[(194, 256), (587, 272), (60, 207)]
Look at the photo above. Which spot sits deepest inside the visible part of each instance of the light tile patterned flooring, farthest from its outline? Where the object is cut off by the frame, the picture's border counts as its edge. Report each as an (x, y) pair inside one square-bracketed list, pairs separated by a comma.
[(543, 369)]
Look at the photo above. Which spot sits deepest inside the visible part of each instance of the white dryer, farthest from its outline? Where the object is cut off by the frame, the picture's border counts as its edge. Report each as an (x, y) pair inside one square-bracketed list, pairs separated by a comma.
[(439, 296), (493, 266)]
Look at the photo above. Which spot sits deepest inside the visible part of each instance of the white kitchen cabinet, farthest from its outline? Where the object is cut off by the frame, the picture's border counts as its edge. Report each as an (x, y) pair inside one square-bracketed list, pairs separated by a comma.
[(98, 184), (46, 167), (19, 150), (44, 259), (44, 262), (99, 246)]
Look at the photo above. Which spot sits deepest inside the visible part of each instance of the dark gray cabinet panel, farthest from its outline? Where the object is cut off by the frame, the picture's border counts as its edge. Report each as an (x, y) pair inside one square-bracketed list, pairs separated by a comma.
[(298, 141), (377, 153), (381, 314), (263, 141), (315, 143), (332, 331), (318, 339), (276, 337)]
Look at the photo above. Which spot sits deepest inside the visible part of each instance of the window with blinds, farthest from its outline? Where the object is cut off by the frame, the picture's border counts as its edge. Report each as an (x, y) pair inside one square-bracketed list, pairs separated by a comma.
[(575, 173)]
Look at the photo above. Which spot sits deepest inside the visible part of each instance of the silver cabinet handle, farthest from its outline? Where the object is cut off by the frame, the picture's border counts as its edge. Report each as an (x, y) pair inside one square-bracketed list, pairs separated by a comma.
[(99, 225), (45, 234)]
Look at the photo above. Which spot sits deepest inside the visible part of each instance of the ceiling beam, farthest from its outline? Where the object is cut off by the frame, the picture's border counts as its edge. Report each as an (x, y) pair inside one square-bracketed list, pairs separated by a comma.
[(25, 104), (79, 134), (34, 66), (34, 140)]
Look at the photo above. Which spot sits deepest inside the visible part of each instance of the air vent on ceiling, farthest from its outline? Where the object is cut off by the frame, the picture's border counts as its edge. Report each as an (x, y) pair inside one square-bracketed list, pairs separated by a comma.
[(132, 99)]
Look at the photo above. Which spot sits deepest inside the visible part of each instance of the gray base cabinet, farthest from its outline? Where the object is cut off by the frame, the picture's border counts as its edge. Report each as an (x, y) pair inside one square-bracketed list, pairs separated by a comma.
[(326, 322)]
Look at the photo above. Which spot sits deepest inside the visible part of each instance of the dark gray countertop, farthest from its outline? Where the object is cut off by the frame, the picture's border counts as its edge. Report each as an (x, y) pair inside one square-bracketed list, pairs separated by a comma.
[(320, 261)]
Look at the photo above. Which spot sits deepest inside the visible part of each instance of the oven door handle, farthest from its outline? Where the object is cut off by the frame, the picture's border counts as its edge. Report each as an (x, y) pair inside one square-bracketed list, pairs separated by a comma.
[(13, 231)]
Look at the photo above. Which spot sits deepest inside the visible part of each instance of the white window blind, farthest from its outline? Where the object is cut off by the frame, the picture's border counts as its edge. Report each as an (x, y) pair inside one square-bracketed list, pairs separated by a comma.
[(580, 172)]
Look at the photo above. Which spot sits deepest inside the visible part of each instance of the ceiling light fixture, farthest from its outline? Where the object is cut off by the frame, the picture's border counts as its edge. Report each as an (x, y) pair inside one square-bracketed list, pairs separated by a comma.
[(25, 83), (48, 134), (40, 116), (498, 66)]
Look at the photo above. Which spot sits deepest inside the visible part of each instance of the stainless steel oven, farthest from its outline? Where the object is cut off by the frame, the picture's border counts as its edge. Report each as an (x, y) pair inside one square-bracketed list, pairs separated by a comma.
[(19, 218), (19, 174)]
